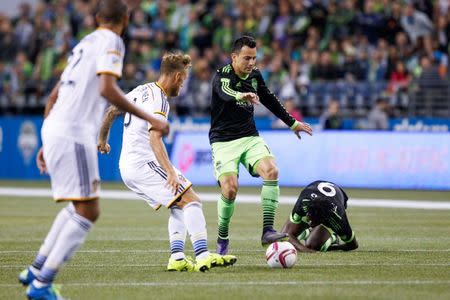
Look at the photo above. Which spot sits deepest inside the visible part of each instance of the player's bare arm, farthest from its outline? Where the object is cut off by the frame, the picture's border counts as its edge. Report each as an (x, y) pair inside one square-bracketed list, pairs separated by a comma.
[(108, 120), (110, 91), (161, 155), (293, 230)]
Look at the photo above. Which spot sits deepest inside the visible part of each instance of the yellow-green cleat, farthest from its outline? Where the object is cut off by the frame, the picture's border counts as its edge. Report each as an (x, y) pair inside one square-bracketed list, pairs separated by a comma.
[(214, 260), (184, 265)]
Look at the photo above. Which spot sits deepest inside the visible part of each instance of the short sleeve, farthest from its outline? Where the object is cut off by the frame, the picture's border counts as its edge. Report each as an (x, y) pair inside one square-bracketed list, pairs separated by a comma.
[(158, 106), (110, 60), (298, 214)]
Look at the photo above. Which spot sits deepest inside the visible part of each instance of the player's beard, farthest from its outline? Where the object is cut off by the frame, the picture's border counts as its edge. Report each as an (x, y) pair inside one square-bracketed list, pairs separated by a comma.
[(124, 29)]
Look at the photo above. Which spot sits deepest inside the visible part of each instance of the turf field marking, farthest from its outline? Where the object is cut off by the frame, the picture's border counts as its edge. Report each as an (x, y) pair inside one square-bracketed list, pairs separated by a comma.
[(238, 264), (256, 283), (244, 198), (234, 250)]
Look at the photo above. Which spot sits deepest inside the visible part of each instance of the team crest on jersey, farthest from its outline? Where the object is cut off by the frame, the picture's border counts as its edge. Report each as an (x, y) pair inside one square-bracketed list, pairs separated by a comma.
[(218, 166), (145, 96), (181, 178), (95, 185), (115, 60), (254, 84)]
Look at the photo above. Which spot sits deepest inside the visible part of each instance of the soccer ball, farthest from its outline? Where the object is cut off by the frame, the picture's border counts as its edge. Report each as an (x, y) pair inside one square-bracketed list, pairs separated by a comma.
[(281, 255)]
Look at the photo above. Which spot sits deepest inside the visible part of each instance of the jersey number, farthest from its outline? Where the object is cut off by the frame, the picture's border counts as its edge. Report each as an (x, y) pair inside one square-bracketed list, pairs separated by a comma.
[(327, 189), (127, 118), (74, 61)]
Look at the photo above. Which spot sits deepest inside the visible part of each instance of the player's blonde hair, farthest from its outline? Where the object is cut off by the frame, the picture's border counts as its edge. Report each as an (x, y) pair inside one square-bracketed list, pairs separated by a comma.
[(175, 62)]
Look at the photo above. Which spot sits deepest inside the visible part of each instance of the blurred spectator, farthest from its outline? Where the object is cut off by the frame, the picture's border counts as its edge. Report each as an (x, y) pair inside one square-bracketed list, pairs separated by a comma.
[(416, 23), (8, 44), (378, 118), (331, 118), (392, 23), (399, 78), (369, 22), (350, 47), (201, 87), (352, 68), (325, 69)]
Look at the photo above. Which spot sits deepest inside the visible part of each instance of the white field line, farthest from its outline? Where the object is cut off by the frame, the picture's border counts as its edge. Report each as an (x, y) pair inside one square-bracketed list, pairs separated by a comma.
[(242, 198), (238, 264), (234, 250), (250, 283)]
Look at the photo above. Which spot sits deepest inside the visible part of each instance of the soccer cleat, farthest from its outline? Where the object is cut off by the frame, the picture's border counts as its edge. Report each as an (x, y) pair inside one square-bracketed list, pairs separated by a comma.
[(222, 246), (184, 265), (26, 276), (48, 292), (272, 236), (214, 260), (228, 260)]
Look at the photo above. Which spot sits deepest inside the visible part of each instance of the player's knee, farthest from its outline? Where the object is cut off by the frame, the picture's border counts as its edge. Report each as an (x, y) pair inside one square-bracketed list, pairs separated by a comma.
[(313, 244), (230, 192), (89, 209), (229, 189), (270, 173)]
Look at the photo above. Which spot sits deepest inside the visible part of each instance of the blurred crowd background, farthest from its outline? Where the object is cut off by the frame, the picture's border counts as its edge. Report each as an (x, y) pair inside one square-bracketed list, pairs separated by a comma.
[(376, 58)]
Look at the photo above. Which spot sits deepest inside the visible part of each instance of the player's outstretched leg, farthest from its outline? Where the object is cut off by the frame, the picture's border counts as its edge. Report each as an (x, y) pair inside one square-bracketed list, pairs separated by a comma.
[(225, 210), (177, 236), (31, 272), (70, 238), (269, 200), (196, 226)]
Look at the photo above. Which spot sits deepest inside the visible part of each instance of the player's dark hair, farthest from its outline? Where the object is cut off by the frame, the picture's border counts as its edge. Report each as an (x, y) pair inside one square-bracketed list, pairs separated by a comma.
[(175, 62), (111, 11), (245, 40), (319, 210)]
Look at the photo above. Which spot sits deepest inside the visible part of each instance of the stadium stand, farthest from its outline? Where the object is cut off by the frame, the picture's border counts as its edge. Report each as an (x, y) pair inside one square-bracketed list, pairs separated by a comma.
[(312, 51)]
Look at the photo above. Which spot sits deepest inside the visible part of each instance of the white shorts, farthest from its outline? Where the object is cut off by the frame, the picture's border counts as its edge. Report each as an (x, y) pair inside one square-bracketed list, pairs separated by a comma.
[(148, 182), (73, 169)]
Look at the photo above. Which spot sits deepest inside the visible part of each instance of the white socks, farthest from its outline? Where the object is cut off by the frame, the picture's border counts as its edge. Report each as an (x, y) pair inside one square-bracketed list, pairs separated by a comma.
[(70, 237), (177, 233), (196, 226)]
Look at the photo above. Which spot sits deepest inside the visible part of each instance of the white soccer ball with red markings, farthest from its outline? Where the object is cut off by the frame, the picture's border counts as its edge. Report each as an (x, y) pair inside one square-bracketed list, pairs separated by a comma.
[(281, 255)]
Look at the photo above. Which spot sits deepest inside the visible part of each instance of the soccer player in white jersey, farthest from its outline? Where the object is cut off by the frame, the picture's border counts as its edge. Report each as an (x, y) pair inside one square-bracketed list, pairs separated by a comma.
[(145, 168), (73, 114)]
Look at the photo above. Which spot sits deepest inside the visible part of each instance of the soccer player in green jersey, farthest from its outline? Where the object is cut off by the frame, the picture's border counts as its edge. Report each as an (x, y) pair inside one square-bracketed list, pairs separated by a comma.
[(319, 218), (234, 138)]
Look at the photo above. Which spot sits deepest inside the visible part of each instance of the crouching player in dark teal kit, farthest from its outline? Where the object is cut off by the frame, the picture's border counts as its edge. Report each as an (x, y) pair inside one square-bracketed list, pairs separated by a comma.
[(319, 219)]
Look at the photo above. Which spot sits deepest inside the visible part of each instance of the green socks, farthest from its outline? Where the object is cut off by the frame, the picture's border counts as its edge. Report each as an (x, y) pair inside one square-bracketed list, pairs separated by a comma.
[(269, 200), (225, 209)]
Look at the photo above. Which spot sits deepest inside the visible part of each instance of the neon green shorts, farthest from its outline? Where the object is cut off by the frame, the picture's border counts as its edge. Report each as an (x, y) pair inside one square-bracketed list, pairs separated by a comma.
[(247, 150)]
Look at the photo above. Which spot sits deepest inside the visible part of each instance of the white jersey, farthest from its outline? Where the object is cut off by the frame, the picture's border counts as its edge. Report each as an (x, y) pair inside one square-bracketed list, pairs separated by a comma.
[(136, 148), (79, 109)]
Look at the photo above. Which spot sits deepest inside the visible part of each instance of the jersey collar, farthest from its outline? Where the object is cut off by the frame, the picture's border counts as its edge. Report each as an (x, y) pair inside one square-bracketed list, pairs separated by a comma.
[(158, 85)]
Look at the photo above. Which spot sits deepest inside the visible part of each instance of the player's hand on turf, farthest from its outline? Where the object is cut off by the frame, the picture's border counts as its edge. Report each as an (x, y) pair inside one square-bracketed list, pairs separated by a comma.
[(40, 162), (104, 148), (250, 97), (305, 127), (172, 182), (160, 125)]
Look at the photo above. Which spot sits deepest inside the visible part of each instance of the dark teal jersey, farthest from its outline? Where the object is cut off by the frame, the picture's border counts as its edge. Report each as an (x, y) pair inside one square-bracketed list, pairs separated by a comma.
[(232, 118), (327, 191)]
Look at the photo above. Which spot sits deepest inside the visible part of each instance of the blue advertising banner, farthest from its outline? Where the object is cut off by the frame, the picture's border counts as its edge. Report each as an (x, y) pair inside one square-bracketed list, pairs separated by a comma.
[(20, 139), (352, 159)]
